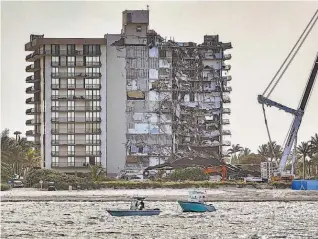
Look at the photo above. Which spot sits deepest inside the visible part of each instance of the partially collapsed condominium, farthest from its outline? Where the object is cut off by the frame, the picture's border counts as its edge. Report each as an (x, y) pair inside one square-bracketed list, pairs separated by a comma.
[(131, 99)]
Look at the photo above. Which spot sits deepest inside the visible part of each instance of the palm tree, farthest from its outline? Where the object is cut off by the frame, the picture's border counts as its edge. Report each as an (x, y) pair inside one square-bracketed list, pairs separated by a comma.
[(314, 144), (17, 135), (232, 151), (246, 152), (263, 151), (303, 151)]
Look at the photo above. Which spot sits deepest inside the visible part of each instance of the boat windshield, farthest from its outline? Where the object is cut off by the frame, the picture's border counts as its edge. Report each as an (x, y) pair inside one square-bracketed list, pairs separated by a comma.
[(197, 196)]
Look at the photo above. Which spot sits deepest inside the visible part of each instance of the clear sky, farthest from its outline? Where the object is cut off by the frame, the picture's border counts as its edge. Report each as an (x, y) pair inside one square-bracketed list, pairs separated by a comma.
[(262, 34)]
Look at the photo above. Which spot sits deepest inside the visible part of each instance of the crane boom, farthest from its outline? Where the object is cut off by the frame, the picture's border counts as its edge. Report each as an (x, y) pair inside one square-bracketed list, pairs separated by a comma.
[(298, 117)]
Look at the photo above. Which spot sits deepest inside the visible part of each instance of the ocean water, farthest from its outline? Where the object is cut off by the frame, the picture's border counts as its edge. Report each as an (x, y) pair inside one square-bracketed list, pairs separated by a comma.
[(90, 220)]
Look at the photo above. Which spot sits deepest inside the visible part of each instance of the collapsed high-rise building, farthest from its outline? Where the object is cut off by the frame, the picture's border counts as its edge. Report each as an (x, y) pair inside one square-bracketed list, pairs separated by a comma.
[(157, 100)]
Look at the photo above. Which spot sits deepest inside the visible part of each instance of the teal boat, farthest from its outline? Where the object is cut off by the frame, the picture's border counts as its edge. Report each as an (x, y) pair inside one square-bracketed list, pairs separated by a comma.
[(196, 203), (136, 209)]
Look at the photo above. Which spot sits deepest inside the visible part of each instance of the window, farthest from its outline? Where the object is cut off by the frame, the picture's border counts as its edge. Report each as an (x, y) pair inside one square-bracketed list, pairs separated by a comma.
[(70, 49), (55, 49), (138, 28), (55, 149), (70, 116), (55, 127), (70, 93), (71, 83), (92, 115), (55, 60), (70, 149), (71, 105), (91, 49), (55, 115), (55, 83), (71, 138), (71, 71), (55, 105), (92, 71), (92, 60), (55, 94), (92, 83), (55, 161), (70, 161), (55, 71), (71, 60), (54, 138), (93, 138)]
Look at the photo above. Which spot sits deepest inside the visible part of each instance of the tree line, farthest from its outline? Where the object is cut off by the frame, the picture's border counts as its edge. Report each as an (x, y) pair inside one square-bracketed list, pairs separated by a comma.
[(306, 156), (18, 155)]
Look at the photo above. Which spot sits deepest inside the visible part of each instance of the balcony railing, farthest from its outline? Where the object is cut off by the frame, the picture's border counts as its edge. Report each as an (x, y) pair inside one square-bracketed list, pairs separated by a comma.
[(226, 111), (76, 97), (75, 164), (225, 121), (31, 111), (31, 122), (76, 142), (77, 119), (227, 56), (226, 67), (227, 88), (76, 153), (31, 68), (39, 53), (31, 90), (31, 79), (77, 86), (31, 133), (77, 63), (76, 108), (30, 100), (75, 75), (227, 78)]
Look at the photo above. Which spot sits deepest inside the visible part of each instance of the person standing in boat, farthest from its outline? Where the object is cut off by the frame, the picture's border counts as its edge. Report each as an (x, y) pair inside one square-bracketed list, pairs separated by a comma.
[(141, 205)]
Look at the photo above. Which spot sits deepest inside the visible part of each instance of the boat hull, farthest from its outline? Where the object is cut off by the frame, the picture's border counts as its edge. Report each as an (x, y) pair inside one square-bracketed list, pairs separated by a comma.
[(125, 213), (188, 206)]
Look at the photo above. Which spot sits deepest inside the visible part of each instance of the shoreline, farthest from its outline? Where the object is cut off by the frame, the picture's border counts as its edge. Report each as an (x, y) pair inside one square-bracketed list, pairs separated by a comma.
[(163, 195)]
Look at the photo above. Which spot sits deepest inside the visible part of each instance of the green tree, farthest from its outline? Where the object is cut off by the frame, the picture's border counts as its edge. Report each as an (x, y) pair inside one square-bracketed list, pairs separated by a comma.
[(303, 151)]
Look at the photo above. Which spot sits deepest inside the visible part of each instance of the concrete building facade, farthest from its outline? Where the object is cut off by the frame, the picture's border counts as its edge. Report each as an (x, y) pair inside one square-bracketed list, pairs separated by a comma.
[(126, 100)]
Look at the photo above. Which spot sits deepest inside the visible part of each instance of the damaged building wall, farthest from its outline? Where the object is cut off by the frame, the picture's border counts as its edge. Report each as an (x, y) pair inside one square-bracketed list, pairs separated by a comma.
[(148, 131), (199, 93)]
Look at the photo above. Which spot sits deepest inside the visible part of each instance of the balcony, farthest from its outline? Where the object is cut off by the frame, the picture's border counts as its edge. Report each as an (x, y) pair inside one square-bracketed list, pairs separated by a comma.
[(227, 46), (32, 111), (226, 111), (76, 119), (93, 86), (227, 57), (40, 53), (32, 90), (32, 133), (30, 101), (227, 78), (76, 97), (32, 79), (225, 121), (76, 108), (226, 99), (31, 122), (72, 164), (31, 68), (226, 132), (76, 142), (226, 67), (227, 88), (83, 153), (76, 64)]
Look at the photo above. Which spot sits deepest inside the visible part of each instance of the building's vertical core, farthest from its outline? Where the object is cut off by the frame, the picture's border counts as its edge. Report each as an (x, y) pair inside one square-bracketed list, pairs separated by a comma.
[(130, 100)]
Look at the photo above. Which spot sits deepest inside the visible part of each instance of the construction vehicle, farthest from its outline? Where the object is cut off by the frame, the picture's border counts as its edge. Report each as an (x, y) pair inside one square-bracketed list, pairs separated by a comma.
[(217, 169), (281, 173)]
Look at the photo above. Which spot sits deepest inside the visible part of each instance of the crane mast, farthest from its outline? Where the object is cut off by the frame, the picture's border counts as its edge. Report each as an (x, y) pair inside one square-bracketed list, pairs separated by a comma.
[(298, 113)]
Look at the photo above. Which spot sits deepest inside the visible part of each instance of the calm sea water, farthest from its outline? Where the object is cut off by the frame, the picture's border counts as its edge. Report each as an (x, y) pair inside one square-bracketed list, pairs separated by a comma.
[(90, 220)]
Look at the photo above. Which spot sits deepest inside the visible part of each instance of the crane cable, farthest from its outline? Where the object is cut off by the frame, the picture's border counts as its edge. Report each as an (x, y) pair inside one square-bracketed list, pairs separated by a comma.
[(311, 20), (263, 107)]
